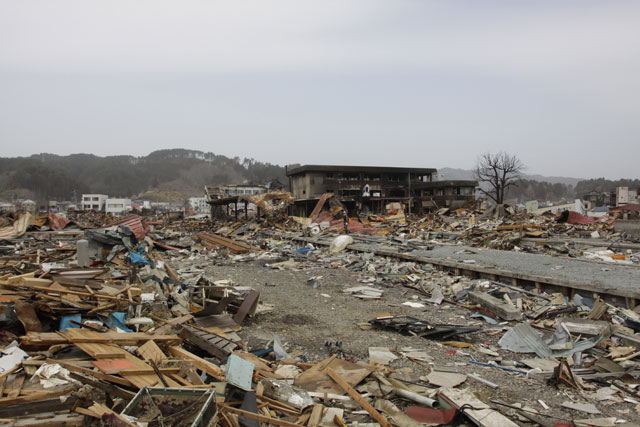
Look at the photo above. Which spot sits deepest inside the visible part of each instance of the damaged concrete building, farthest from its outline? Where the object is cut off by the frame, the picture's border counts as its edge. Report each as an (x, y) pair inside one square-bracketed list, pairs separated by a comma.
[(228, 200), (366, 189)]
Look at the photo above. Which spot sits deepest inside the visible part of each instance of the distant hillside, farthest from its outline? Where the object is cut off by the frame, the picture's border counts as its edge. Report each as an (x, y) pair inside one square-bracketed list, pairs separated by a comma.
[(163, 172), (450, 173), (175, 174)]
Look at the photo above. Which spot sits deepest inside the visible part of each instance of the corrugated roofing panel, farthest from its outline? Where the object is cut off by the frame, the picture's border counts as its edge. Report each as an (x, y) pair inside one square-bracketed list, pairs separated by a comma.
[(135, 225)]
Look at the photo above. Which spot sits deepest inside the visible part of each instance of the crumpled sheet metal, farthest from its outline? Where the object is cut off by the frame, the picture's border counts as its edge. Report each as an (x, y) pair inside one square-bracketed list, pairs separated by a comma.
[(57, 222), (134, 223), (18, 228), (275, 202), (522, 338), (577, 218)]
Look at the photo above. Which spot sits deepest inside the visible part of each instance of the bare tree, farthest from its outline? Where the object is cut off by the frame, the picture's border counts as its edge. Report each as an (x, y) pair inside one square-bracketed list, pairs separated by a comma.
[(501, 170)]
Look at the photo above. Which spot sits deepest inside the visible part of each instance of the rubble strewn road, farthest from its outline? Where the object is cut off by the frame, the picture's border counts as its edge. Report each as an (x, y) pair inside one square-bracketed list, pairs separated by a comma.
[(153, 321), (612, 279)]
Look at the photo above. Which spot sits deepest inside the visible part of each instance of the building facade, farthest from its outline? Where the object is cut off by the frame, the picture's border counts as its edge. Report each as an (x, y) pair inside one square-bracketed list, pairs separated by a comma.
[(626, 196), (94, 202), (368, 188), (117, 206), (198, 204), (595, 199), (233, 190), (452, 194)]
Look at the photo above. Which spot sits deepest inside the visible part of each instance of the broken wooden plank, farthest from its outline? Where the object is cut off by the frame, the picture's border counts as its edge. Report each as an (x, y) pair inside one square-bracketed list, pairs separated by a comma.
[(211, 343), (97, 410), (47, 405), (50, 419), (106, 387), (219, 241), (483, 415), (77, 336), (96, 374), (40, 395), (261, 418), (316, 415), (16, 386), (248, 305), (494, 305), (151, 351), (59, 291), (359, 399), (198, 362)]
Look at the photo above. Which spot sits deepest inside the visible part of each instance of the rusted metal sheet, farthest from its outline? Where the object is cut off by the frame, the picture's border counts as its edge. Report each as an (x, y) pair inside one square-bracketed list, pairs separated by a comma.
[(576, 218), (233, 245), (57, 222), (134, 223), (319, 205), (27, 315), (632, 207)]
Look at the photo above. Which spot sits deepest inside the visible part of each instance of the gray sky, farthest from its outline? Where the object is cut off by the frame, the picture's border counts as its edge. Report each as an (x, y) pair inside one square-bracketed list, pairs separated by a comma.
[(397, 83)]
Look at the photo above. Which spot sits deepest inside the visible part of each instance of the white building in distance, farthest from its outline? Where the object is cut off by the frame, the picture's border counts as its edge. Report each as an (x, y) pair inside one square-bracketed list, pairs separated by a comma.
[(198, 204), (118, 206), (94, 202)]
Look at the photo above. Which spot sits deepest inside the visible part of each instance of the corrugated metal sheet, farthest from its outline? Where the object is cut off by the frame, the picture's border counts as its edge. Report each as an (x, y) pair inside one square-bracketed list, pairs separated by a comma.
[(135, 225), (633, 207), (57, 222), (18, 228), (576, 218)]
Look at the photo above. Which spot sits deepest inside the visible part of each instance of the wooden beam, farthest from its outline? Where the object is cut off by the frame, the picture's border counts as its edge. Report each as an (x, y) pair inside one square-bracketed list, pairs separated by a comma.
[(198, 362), (356, 396), (41, 395), (59, 291), (106, 387), (316, 415), (95, 374), (258, 417)]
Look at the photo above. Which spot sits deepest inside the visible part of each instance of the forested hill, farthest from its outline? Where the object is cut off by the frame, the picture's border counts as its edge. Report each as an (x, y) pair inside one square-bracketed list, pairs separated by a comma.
[(175, 174), (170, 172)]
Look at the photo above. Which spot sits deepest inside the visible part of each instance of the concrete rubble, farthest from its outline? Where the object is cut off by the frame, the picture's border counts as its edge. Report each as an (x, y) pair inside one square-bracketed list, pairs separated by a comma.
[(151, 321)]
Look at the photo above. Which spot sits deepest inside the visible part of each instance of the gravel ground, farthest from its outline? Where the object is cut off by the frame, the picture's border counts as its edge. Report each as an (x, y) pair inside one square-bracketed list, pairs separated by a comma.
[(306, 320)]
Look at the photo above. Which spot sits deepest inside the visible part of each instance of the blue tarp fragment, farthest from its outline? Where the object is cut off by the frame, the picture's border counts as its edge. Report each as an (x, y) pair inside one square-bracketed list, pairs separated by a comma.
[(138, 257), (65, 321), (115, 320)]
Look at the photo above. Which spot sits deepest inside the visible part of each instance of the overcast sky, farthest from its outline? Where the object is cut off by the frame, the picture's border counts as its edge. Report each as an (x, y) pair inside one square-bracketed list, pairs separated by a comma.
[(396, 83)]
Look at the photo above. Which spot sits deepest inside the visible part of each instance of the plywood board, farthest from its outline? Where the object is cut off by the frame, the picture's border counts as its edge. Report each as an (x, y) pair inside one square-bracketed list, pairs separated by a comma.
[(316, 378), (151, 351)]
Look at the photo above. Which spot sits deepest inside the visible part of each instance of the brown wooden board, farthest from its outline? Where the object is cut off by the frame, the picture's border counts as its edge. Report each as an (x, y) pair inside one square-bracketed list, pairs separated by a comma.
[(151, 351), (213, 344), (316, 378), (27, 315)]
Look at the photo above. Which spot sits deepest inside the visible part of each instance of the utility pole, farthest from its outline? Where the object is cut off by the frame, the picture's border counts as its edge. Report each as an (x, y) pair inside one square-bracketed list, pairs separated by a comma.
[(409, 185)]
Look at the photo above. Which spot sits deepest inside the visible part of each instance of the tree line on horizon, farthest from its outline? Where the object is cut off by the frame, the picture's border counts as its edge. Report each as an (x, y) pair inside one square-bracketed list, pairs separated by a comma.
[(54, 177)]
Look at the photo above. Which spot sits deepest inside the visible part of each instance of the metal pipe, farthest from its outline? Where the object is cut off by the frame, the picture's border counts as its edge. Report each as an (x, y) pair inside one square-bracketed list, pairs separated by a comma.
[(483, 381), (475, 362), (417, 398)]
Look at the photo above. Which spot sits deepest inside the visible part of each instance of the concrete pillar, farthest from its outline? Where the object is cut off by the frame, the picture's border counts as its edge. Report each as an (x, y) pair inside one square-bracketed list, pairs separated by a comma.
[(83, 253)]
